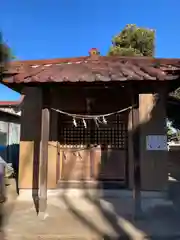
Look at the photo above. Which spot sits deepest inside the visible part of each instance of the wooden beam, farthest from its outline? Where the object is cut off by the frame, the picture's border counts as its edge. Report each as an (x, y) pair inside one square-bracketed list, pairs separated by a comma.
[(136, 154), (44, 159)]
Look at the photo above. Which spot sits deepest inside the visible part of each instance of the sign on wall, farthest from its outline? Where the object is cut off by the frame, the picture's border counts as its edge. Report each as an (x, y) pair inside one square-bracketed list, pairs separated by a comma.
[(156, 143)]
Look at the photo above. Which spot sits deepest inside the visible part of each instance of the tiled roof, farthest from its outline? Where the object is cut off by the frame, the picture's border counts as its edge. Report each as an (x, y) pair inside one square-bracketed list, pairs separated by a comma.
[(94, 68)]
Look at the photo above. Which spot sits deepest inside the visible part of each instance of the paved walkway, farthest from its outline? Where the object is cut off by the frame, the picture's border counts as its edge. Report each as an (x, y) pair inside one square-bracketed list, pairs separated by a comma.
[(70, 216)]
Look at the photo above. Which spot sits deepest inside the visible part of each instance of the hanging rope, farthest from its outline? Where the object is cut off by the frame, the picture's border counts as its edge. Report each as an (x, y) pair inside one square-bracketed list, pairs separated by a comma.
[(95, 117)]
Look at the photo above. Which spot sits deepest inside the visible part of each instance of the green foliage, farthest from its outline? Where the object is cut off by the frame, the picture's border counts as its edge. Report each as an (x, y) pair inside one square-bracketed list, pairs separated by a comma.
[(133, 41), (117, 50), (170, 129), (176, 93), (5, 55), (169, 132)]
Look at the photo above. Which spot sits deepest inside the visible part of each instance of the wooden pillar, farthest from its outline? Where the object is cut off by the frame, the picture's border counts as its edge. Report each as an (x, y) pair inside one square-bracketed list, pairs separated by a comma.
[(44, 159), (136, 154), (30, 140), (154, 163)]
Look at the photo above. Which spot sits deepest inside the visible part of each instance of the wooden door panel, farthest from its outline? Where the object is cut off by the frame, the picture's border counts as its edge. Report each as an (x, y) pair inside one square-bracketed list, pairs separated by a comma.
[(112, 165), (109, 164), (75, 165)]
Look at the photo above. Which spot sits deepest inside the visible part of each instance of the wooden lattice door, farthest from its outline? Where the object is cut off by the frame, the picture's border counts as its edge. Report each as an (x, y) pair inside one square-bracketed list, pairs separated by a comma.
[(111, 151), (75, 163), (94, 152)]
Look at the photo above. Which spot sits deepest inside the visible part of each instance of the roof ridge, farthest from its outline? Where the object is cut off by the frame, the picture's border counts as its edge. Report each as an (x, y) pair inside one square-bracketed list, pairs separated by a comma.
[(89, 58)]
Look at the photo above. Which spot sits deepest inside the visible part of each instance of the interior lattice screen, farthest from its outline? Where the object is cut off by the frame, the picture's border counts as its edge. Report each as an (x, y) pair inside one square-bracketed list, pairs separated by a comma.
[(113, 134)]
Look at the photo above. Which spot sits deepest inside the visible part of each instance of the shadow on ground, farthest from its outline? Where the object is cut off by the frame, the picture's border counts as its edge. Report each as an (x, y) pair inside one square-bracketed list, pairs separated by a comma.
[(115, 222), (105, 217), (108, 222), (160, 217)]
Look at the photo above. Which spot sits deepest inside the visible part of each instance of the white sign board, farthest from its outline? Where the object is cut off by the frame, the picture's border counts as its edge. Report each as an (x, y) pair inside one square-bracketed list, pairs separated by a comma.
[(156, 143)]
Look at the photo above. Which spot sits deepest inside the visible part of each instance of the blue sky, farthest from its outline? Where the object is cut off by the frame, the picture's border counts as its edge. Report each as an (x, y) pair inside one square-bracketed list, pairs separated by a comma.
[(41, 29)]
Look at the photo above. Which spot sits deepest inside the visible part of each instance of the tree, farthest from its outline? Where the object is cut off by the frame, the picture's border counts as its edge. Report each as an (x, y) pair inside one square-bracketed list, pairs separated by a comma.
[(170, 129), (133, 41), (5, 55), (176, 93)]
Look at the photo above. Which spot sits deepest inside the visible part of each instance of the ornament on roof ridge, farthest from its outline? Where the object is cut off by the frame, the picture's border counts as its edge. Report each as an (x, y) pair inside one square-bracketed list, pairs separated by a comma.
[(94, 52)]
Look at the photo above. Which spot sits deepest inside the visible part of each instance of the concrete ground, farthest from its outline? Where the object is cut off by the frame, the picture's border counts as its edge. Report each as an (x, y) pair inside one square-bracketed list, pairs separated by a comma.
[(73, 214)]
